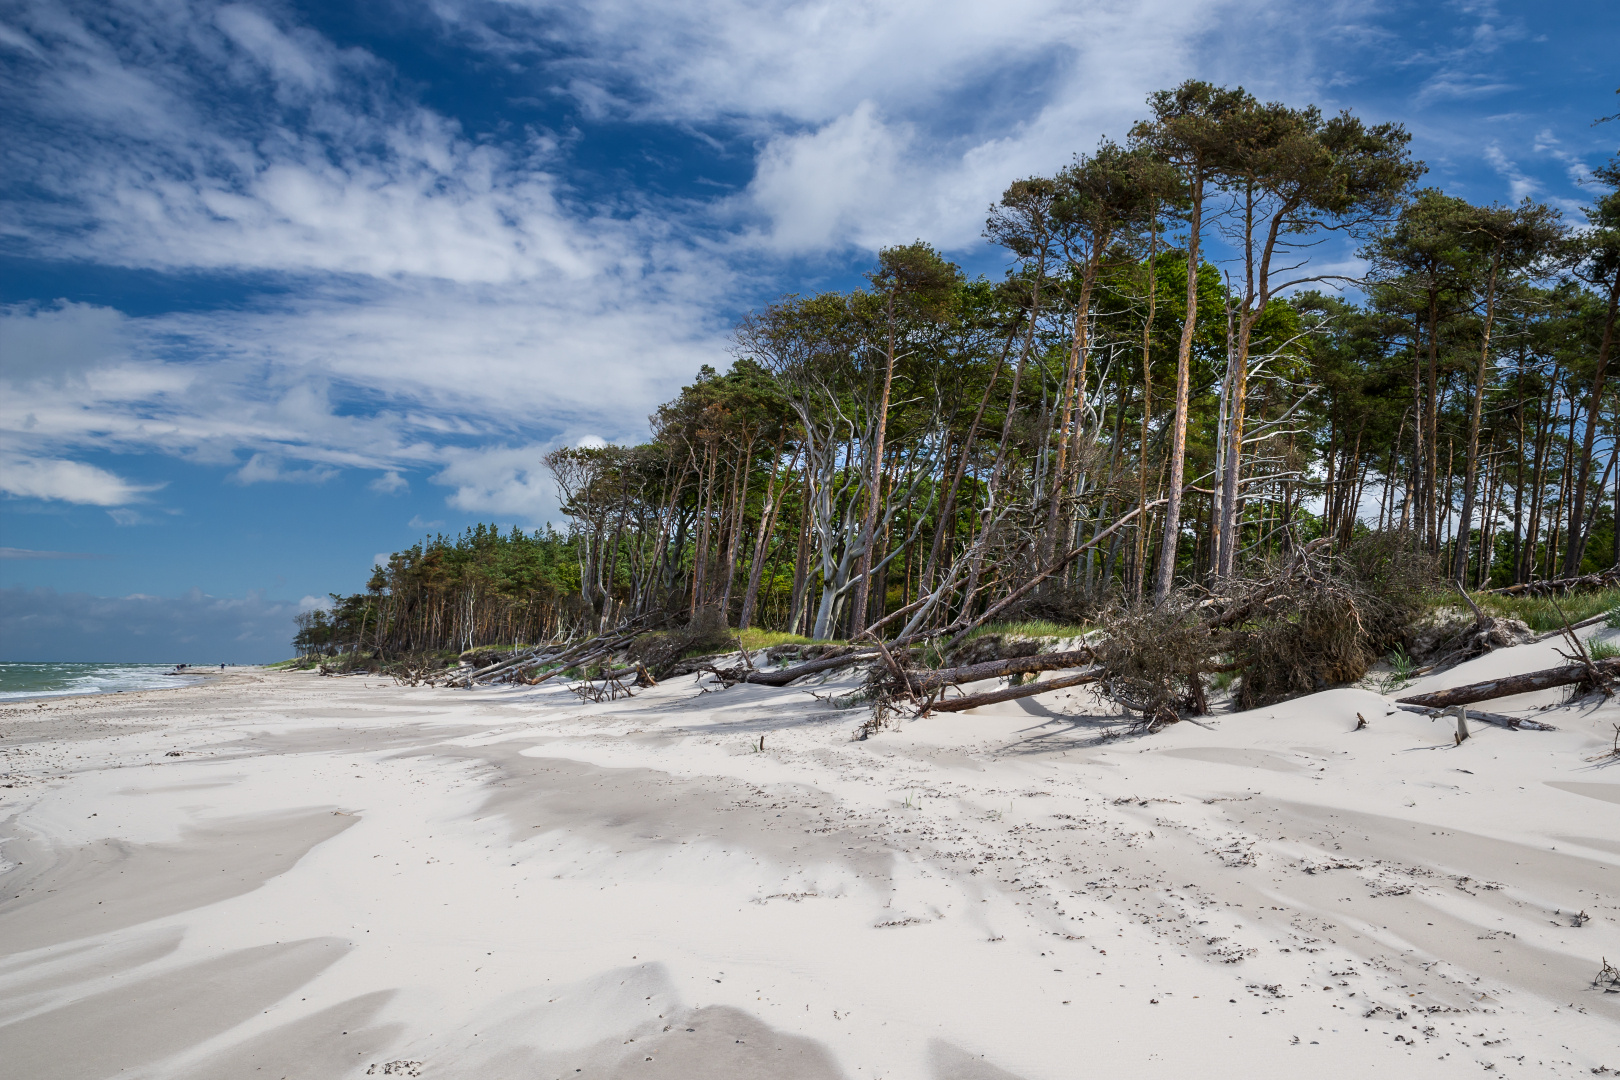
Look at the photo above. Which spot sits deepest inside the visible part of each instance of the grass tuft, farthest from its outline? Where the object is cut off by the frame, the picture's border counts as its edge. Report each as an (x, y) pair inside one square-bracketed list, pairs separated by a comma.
[(1034, 628), (1599, 649), (1541, 614), (754, 639)]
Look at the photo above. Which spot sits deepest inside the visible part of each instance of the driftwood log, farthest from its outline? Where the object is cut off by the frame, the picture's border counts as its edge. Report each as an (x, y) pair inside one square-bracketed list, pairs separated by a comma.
[(787, 675), (923, 682), (1009, 693), (1513, 723), (1508, 685)]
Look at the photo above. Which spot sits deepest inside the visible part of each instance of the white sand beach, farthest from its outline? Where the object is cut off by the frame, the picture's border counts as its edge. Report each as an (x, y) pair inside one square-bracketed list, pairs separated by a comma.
[(284, 875)]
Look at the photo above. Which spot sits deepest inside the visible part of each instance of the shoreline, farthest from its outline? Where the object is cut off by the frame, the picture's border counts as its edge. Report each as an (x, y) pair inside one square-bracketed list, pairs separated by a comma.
[(202, 677), (442, 883)]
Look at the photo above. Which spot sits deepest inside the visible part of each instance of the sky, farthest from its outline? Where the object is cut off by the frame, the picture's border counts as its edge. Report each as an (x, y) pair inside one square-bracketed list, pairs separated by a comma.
[(285, 287)]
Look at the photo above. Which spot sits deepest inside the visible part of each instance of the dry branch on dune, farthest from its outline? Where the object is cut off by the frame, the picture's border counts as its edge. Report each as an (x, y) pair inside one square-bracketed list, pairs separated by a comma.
[(1568, 675), (1010, 693)]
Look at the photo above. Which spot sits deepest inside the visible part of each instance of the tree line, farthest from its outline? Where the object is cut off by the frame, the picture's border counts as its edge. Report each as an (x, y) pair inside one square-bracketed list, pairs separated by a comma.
[(1170, 388)]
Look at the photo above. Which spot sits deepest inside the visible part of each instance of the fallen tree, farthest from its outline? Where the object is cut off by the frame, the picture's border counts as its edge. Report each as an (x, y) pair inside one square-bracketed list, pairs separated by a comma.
[(1575, 674), (1604, 580), (925, 681), (785, 676), (1009, 693)]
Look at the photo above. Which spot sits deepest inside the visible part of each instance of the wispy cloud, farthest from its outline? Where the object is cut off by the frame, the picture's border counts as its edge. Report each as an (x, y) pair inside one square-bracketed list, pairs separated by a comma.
[(26, 553), (448, 302), (67, 481), (1520, 186)]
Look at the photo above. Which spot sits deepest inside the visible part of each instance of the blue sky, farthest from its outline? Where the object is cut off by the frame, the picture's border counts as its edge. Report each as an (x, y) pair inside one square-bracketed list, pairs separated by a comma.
[(285, 286)]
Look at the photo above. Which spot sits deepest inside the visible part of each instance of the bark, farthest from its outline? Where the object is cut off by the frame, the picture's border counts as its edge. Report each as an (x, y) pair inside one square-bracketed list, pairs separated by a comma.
[(922, 681), (1178, 437), (767, 525), (826, 663), (1580, 526), (1139, 571), (1009, 693), (1459, 559), (1568, 675)]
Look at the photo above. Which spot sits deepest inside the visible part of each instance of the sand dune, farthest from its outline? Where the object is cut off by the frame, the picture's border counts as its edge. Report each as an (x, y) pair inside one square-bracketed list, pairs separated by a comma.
[(296, 876)]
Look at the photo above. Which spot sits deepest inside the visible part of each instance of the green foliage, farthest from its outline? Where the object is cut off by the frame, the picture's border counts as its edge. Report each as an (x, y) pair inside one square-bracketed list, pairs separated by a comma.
[(930, 428), (1401, 667), (754, 639), (1542, 613), (1031, 628), (1602, 648)]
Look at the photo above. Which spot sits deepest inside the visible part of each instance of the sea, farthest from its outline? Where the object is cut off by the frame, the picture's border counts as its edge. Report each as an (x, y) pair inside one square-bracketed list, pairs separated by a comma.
[(20, 681)]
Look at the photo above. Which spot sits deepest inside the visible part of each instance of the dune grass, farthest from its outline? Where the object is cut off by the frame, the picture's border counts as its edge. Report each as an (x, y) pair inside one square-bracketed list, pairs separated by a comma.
[(1038, 628), (1540, 613), (754, 638), (1600, 649)]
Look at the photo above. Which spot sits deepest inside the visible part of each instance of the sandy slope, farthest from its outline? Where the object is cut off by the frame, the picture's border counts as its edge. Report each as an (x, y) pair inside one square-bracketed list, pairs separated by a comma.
[(285, 875)]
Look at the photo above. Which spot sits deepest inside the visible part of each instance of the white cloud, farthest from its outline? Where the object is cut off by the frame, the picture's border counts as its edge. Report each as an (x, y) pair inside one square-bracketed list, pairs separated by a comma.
[(1520, 186), (29, 554), (446, 300), (265, 468), (66, 481), (506, 480), (301, 63), (817, 186), (58, 340), (390, 483)]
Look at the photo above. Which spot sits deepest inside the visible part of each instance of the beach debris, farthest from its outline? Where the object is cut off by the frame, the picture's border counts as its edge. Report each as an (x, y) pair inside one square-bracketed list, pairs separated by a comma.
[(1613, 751), (1604, 580), (1513, 723), (1361, 722), (1011, 693), (1567, 675), (1607, 979)]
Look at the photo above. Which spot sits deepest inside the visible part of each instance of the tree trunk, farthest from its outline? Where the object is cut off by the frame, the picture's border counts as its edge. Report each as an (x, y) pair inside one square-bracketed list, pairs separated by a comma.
[(1011, 693), (1508, 686), (1178, 437), (1580, 527), (1459, 559)]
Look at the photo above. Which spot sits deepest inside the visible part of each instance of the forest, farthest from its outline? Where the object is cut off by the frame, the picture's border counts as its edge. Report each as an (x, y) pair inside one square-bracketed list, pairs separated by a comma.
[(1243, 338)]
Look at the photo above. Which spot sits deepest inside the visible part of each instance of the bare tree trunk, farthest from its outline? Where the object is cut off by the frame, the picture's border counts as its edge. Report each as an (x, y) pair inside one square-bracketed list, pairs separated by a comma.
[(1178, 436), (767, 524), (1459, 559), (1580, 527)]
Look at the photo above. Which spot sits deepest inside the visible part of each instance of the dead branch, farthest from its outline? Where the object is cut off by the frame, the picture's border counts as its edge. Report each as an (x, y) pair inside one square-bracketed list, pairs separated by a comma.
[(1009, 693), (788, 675), (928, 681), (1606, 579), (1512, 723), (1546, 679)]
